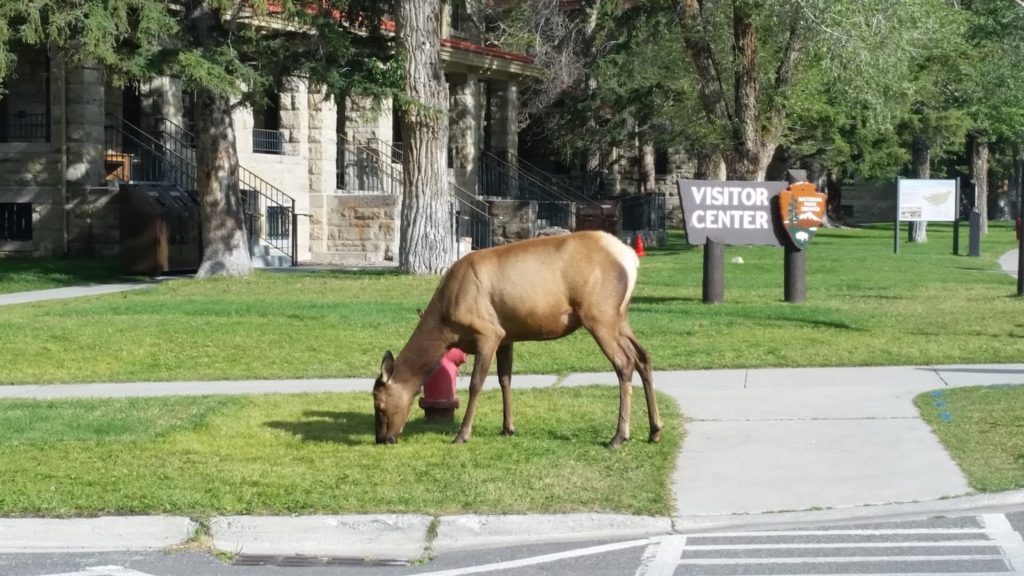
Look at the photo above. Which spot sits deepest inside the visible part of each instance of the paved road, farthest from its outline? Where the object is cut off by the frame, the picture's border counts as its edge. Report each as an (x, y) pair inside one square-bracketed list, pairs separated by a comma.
[(984, 543)]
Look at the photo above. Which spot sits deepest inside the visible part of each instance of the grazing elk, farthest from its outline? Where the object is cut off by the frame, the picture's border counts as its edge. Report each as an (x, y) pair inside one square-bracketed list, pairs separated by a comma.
[(538, 289)]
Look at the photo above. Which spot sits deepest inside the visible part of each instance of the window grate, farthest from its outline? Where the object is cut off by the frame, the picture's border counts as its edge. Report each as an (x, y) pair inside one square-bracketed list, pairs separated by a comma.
[(15, 221), (278, 224)]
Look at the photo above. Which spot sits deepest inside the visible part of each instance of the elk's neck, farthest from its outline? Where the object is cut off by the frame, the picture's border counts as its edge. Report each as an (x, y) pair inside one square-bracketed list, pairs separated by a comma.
[(421, 355)]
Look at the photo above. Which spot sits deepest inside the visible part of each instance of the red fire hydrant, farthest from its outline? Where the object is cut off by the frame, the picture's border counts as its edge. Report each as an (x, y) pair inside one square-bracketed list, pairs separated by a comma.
[(439, 401)]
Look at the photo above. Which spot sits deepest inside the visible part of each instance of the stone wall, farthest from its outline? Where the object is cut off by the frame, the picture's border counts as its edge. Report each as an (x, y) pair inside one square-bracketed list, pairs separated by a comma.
[(357, 229), (512, 220), (94, 222)]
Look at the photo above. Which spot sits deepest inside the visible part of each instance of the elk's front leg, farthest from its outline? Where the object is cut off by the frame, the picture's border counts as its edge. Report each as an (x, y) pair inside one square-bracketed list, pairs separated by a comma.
[(481, 365), (508, 428)]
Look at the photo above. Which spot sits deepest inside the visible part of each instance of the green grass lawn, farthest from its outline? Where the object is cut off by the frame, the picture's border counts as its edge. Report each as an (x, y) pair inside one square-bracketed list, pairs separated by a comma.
[(315, 453), (865, 306), (23, 274), (983, 429)]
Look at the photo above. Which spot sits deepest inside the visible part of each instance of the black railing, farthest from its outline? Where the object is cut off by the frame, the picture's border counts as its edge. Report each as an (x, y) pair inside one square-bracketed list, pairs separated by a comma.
[(503, 179), (367, 169), (372, 168), (25, 127), (474, 217), (643, 213), (167, 155), (393, 150), (133, 155), (267, 141)]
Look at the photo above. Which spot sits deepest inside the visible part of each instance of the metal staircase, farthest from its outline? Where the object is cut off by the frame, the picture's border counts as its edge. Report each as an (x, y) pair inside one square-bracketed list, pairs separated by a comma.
[(166, 154), (506, 175), (373, 170)]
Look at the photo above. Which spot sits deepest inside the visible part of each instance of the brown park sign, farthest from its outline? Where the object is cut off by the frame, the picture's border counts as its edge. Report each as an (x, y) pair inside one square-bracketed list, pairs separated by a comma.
[(802, 209), (730, 212)]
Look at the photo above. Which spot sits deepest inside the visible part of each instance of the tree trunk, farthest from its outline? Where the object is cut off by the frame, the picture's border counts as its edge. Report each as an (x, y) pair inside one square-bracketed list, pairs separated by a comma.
[(710, 166), (979, 175), (225, 247), (427, 241), (748, 152), (648, 183), (834, 202), (1018, 178), (921, 155)]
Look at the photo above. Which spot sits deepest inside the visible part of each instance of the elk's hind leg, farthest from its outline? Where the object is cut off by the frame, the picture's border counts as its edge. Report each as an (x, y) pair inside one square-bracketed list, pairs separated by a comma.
[(508, 428), (622, 361), (642, 359)]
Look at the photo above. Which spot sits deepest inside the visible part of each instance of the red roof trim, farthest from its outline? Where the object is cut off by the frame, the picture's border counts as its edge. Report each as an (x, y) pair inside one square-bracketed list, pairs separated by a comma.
[(485, 50), (275, 7)]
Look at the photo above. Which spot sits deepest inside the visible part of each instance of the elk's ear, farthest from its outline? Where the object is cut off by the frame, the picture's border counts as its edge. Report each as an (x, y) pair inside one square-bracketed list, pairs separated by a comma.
[(387, 367)]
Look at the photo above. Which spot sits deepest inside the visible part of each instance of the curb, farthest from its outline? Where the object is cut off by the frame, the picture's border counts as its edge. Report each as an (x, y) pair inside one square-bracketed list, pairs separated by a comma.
[(472, 532), (104, 534), (407, 538), (386, 538)]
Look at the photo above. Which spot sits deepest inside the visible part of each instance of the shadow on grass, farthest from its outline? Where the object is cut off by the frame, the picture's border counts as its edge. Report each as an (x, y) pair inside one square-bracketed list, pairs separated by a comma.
[(662, 299), (350, 428)]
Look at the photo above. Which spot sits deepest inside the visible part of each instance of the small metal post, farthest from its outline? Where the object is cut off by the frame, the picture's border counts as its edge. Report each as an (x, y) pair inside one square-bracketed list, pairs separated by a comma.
[(896, 229), (796, 278), (295, 236), (956, 221), (714, 272), (1020, 241)]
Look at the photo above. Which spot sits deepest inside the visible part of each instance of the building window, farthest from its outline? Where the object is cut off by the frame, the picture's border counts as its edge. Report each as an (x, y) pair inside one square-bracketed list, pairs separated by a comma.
[(661, 160), (25, 105), (267, 137), (15, 221), (459, 17)]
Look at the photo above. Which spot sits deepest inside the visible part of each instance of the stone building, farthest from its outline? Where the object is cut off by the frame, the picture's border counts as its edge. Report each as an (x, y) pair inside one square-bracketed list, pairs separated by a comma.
[(321, 178)]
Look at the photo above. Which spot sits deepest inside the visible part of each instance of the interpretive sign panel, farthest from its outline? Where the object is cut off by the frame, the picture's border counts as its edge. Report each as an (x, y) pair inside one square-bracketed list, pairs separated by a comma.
[(730, 212), (926, 200)]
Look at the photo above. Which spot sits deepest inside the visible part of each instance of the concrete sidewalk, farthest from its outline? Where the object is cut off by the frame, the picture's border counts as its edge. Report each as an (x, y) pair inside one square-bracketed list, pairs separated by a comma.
[(762, 446)]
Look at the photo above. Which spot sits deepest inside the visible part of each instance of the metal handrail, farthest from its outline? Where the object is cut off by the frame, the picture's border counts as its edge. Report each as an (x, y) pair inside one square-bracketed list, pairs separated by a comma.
[(554, 181), (370, 164), (518, 176), (478, 223), (180, 155)]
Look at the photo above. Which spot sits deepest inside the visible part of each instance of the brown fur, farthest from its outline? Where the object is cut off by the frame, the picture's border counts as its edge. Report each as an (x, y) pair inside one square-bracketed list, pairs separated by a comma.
[(538, 289)]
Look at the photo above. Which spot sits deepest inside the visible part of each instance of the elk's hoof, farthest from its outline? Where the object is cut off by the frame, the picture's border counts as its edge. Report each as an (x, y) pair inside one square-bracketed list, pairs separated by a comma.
[(460, 440), (655, 437), (617, 441), (508, 431)]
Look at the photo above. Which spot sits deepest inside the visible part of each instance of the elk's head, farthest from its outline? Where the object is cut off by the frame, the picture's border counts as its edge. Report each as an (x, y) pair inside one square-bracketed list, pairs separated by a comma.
[(391, 403)]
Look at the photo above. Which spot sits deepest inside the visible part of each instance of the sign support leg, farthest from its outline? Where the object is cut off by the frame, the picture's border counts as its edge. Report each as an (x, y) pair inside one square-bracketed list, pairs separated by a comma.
[(714, 272), (796, 268)]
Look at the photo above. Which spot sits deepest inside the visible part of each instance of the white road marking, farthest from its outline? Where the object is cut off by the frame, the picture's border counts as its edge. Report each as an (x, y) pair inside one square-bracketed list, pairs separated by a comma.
[(103, 571), (661, 558), (1007, 538), (546, 558)]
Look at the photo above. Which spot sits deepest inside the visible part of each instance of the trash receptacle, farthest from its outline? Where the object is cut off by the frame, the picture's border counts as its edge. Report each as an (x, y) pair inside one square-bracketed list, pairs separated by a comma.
[(160, 229)]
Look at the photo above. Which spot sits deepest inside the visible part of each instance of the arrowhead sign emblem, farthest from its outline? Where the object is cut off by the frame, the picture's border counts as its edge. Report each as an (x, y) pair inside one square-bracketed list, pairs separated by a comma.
[(802, 209)]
